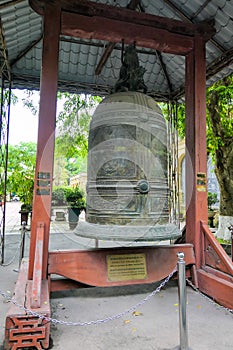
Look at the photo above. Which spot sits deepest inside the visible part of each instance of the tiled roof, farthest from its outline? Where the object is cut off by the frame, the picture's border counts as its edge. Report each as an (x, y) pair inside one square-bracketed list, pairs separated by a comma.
[(22, 35)]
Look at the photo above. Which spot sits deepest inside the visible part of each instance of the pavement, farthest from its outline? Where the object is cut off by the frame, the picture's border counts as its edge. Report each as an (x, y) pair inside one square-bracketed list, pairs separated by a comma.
[(132, 317)]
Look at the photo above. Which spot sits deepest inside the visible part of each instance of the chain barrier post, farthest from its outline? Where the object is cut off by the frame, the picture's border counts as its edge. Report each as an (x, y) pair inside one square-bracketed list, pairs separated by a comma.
[(23, 230), (182, 302), (22, 244)]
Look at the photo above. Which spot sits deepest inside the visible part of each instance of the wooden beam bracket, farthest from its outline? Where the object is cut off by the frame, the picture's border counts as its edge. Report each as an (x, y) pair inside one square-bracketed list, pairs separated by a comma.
[(214, 254), (215, 277)]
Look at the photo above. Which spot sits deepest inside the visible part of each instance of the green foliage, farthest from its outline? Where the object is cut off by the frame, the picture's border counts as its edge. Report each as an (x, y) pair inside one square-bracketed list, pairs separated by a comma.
[(76, 165), (75, 197), (6, 99), (220, 115), (59, 196), (72, 132), (181, 120), (177, 112), (219, 102), (223, 241), (212, 199), (26, 207), (73, 125), (60, 172), (72, 139), (21, 170), (71, 145), (29, 101)]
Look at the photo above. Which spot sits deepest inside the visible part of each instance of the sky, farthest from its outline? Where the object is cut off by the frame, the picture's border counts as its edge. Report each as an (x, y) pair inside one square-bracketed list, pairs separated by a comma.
[(23, 124)]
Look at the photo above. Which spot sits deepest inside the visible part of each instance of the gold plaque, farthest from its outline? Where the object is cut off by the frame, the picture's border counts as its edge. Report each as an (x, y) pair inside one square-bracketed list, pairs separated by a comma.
[(125, 267), (201, 182)]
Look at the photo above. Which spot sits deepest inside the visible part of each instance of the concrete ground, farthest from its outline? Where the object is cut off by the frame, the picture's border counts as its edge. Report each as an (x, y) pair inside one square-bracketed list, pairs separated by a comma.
[(152, 325)]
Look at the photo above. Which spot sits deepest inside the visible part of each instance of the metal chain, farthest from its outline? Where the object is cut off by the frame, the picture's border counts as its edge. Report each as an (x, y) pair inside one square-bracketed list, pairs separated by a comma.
[(88, 323), (88, 245), (206, 297)]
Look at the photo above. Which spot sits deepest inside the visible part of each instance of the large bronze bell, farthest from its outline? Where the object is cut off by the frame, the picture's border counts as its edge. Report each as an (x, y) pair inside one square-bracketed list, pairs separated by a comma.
[(127, 184)]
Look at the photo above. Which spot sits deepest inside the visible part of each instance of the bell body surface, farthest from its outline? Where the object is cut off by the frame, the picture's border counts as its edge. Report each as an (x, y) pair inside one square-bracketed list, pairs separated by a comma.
[(127, 162)]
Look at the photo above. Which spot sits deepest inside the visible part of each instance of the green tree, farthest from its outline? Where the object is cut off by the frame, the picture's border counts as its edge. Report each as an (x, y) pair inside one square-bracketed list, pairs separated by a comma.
[(30, 100), (21, 169), (72, 132), (73, 124), (220, 146), (219, 113), (71, 145), (3, 139)]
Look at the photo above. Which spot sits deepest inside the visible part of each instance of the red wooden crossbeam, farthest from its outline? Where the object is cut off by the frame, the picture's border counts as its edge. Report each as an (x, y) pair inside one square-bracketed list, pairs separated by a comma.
[(91, 267)]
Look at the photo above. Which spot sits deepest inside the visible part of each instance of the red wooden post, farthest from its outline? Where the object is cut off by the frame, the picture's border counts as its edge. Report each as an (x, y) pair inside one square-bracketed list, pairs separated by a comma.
[(196, 159), (46, 131)]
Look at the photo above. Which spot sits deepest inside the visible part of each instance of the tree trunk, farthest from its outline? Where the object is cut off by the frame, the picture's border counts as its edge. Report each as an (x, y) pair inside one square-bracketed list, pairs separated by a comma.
[(224, 162), (224, 173)]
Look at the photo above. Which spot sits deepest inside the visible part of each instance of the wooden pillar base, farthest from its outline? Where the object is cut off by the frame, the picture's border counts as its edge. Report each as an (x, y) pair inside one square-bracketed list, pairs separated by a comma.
[(22, 329), (218, 288)]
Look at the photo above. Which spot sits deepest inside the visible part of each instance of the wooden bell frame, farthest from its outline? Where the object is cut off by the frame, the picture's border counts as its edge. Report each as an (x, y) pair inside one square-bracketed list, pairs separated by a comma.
[(212, 269)]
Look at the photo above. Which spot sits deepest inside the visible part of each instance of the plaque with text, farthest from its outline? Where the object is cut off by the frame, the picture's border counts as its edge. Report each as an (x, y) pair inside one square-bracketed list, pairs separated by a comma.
[(43, 175), (126, 267), (43, 184), (201, 182)]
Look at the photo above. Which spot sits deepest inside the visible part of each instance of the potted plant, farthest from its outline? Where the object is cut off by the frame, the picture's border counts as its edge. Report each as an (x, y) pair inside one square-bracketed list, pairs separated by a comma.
[(76, 203), (25, 210), (26, 199)]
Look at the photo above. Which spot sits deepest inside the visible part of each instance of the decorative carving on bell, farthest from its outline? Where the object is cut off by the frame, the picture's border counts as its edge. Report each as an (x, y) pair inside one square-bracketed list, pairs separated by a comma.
[(127, 185)]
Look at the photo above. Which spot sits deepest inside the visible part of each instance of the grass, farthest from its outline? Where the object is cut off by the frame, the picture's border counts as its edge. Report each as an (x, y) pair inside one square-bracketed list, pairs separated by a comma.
[(223, 241)]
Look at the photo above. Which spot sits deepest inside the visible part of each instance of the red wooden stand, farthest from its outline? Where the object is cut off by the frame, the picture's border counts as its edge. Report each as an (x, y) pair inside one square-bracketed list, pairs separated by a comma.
[(214, 268), (80, 269)]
